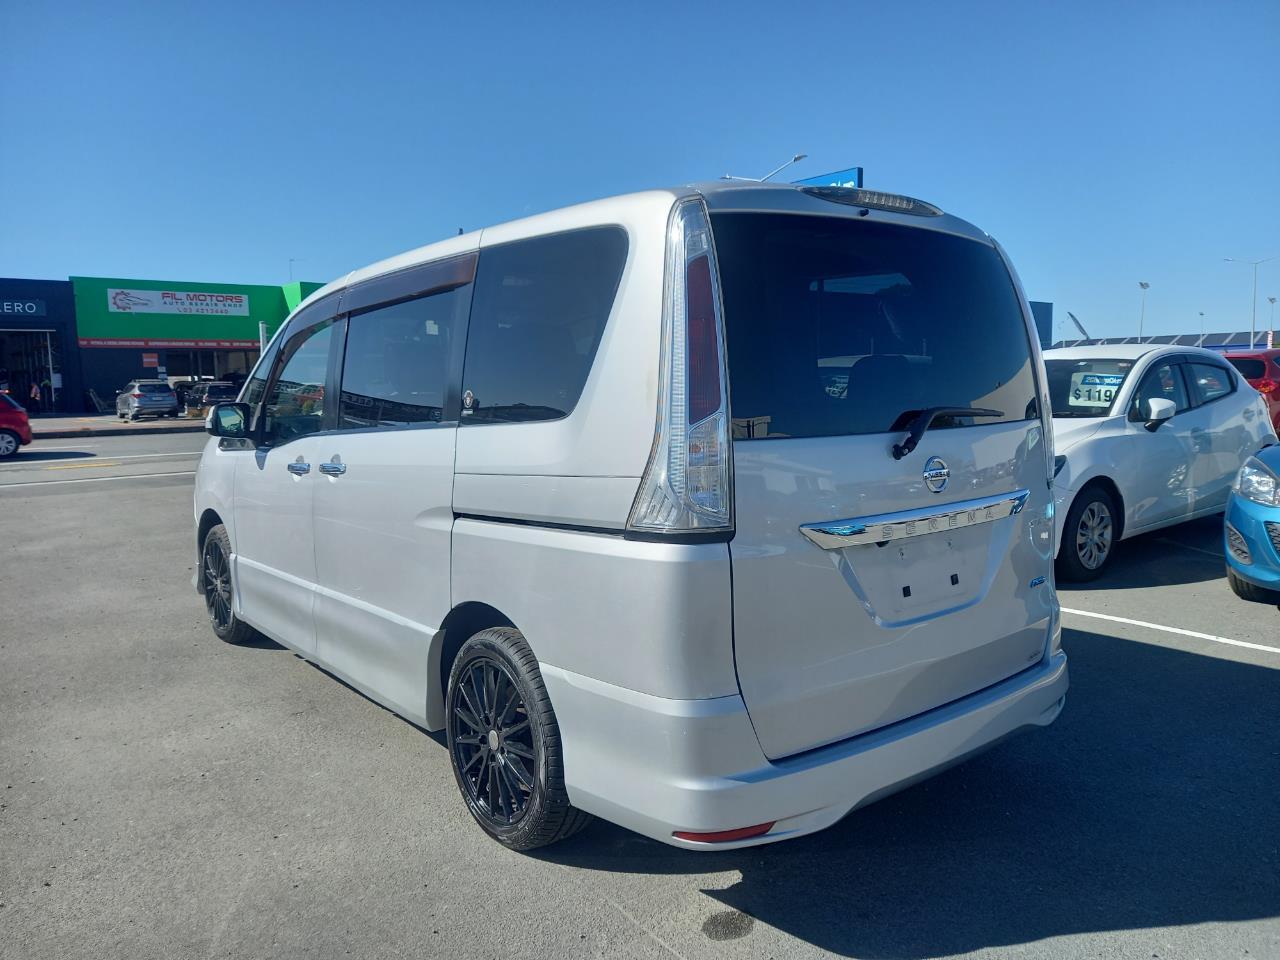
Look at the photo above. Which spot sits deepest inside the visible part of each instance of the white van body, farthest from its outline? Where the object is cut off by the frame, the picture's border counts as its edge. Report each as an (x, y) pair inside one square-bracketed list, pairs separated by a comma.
[(804, 624)]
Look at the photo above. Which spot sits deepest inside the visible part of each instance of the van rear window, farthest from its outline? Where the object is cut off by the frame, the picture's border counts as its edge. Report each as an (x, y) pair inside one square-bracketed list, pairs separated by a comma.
[(837, 326)]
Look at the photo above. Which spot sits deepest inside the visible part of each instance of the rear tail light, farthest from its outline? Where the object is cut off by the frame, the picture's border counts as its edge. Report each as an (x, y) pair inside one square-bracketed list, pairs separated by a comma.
[(687, 485), (725, 836), (136, 396), (1267, 386)]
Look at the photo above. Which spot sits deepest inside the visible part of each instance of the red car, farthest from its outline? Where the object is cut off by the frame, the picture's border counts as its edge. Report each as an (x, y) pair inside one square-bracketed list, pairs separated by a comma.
[(15, 428), (1262, 369)]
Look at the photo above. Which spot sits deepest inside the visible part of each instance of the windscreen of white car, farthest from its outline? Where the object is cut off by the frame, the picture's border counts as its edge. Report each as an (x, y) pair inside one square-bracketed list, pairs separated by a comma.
[(1085, 388)]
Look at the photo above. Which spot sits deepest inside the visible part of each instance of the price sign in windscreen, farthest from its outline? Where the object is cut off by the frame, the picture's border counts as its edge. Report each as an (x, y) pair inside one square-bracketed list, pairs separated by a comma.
[(1094, 389)]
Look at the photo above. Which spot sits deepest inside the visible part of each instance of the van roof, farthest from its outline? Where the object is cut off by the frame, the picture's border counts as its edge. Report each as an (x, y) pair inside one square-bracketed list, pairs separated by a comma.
[(720, 195)]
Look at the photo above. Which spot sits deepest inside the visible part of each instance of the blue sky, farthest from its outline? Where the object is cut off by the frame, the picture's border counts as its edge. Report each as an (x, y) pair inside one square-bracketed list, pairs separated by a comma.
[(1103, 144)]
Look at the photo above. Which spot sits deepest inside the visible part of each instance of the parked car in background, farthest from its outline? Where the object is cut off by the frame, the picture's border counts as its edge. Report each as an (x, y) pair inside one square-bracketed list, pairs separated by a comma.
[(1262, 369), (497, 485), (204, 395), (1146, 436), (139, 398), (15, 427), (1251, 530)]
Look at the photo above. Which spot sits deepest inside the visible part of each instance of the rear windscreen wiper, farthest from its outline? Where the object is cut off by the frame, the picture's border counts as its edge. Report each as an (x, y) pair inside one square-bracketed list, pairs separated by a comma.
[(923, 420)]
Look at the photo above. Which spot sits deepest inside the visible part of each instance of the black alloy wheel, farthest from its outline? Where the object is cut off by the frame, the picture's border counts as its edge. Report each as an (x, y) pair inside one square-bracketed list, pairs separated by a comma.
[(219, 592), (504, 743), (492, 742), (217, 585)]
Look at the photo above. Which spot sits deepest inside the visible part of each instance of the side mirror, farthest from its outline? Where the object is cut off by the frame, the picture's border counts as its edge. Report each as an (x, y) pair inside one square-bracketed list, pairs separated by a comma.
[(1158, 411), (230, 420)]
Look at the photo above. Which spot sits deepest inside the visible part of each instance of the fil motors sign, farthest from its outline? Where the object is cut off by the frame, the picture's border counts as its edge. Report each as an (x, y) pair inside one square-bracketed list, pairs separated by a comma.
[(120, 300)]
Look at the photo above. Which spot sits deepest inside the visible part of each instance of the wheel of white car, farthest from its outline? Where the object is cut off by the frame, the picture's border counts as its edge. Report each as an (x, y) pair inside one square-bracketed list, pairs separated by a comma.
[(1089, 536)]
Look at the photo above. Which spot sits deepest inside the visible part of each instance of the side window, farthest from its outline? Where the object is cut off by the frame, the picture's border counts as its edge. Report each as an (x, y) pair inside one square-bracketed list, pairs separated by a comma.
[(295, 404), (1209, 381), (537, 315), (256, 385), (1163, 381), (395, 370)]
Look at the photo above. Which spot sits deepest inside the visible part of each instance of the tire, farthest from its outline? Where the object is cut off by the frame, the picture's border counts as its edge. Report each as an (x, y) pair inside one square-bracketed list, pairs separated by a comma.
[(497, 706), (133, 416), (216, 583), (1088, 536), (10, 444), (1245, 590)]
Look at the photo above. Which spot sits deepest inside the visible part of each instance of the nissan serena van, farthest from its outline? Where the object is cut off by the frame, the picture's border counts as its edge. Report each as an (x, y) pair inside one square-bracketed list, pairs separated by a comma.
[(716, 512)]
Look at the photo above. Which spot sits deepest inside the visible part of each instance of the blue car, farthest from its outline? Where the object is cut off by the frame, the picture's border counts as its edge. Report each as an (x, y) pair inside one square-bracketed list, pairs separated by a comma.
[(1252, 529)]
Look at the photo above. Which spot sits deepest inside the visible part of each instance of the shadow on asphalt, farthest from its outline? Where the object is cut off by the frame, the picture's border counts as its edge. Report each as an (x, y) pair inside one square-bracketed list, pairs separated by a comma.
[(1188, 553), (30, 455), (1151, 802)]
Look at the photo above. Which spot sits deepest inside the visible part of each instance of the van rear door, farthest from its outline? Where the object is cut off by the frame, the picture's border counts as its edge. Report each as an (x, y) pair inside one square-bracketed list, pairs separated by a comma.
[(868, 589)]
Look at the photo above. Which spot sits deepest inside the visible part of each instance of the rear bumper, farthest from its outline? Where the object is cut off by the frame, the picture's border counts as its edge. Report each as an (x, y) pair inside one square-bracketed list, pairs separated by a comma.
[(656, 765)]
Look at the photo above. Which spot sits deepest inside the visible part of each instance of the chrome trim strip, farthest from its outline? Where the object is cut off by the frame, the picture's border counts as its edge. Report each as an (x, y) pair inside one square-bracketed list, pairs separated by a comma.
[(884, 527)]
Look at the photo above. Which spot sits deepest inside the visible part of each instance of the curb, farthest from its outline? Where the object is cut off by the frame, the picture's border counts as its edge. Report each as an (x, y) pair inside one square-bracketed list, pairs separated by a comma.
[(85, 432)]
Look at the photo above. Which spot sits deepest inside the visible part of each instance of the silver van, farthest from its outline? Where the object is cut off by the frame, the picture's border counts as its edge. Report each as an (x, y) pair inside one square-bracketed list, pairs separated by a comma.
[(716, 512)]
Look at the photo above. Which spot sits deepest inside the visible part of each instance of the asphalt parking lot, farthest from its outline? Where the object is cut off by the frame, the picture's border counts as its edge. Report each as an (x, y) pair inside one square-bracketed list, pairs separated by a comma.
[(165, 795)]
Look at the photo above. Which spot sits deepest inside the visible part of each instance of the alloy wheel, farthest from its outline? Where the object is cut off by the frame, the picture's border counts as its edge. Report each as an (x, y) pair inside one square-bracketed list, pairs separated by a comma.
[(8, 444), (493, 742), (1094, 535), (217, 584)]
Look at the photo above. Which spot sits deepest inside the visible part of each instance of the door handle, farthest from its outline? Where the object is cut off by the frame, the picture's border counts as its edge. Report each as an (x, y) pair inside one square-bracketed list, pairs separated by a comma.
[(299, 467), (334, 468)]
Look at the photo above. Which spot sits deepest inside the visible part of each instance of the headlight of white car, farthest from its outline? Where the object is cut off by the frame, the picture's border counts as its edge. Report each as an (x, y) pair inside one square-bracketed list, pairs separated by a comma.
[(1255, 482)]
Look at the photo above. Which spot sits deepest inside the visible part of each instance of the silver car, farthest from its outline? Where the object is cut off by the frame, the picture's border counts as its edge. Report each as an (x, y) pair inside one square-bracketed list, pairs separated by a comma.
[(716, 511), (146, 398)]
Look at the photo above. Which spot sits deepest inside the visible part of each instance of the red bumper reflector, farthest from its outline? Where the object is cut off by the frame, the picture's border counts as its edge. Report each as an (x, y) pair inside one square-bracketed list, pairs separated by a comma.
[(724, 836)]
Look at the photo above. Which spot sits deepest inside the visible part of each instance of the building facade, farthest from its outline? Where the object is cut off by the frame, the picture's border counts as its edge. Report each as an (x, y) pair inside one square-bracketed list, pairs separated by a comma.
[(127, 328), (39, 356)]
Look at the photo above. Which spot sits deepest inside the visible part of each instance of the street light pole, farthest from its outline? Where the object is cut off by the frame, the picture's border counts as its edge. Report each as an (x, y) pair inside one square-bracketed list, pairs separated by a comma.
[(1142, 313), (1253, 302), (1271, 324), (1201, 342)]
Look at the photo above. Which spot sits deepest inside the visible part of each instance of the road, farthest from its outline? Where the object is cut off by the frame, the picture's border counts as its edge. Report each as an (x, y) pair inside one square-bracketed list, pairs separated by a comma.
[(165, 795)]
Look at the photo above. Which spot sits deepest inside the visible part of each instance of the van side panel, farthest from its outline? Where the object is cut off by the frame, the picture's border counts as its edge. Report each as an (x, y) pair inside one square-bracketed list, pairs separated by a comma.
[(650, 617)]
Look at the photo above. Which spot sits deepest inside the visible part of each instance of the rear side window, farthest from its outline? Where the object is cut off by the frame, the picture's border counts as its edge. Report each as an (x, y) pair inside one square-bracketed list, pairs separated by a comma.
[(1209, 381), (396, 366), (1251, 368), (538, 312), (837, 326)]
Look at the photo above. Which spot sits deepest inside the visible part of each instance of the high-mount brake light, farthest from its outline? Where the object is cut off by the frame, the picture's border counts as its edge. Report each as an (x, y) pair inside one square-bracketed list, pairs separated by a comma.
[(875, 200), (687, 485)]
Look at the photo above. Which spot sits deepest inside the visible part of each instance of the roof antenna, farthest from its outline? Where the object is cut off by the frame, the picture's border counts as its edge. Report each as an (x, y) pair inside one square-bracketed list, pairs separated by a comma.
[(796, 159)]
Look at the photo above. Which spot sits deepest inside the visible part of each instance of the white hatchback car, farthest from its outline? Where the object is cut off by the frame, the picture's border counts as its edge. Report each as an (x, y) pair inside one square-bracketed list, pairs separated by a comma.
[(1146, 436), (674, 508)]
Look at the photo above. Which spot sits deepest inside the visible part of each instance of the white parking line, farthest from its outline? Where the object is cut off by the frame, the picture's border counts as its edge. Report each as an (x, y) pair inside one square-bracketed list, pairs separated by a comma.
[(131, 476), (1178, 630)]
